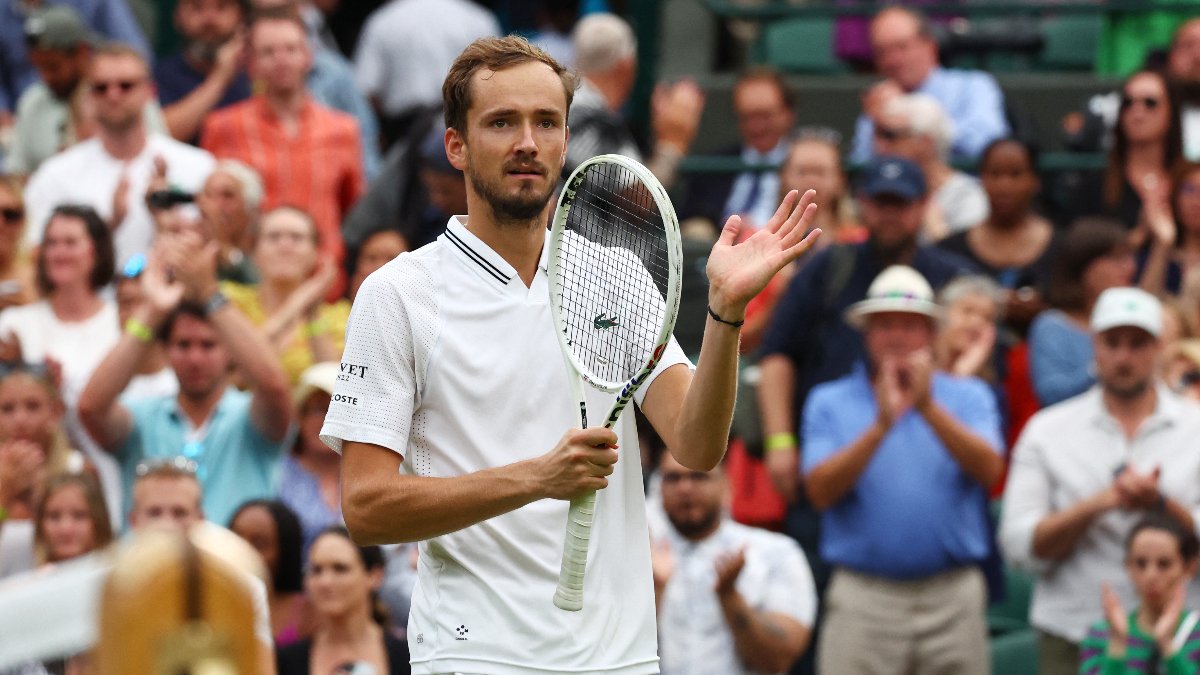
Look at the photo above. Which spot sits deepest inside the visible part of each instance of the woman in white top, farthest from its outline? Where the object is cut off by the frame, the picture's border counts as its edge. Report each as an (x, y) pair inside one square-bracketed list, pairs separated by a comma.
[(73, 324)]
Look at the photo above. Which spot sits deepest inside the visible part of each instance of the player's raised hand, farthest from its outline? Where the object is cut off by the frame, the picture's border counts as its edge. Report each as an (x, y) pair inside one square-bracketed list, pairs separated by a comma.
[(737, 272), (581, 462)]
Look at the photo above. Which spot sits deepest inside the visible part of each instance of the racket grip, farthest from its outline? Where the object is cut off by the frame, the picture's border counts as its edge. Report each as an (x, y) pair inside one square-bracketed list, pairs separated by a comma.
[(569, 595)]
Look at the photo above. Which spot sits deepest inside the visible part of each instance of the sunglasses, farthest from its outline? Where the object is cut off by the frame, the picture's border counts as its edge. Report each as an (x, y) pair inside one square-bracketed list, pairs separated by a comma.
[(1148, 102), (12, 214), (891, 134), (125, 86)]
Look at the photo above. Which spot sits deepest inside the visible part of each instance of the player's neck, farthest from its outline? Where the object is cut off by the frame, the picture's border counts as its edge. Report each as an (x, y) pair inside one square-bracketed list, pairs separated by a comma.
[(519, 243)]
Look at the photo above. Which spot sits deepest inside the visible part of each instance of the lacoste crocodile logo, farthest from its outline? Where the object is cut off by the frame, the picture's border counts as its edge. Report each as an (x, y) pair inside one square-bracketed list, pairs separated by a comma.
[(603, 321)]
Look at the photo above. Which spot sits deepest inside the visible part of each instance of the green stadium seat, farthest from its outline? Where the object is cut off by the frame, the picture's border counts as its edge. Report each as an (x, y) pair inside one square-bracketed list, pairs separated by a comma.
[(1012, 615), (1070, 42), (1015, 653), (802, 45)]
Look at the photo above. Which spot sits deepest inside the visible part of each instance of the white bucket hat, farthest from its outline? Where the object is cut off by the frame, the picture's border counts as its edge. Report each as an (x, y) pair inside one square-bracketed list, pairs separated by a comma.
[(898, 288)]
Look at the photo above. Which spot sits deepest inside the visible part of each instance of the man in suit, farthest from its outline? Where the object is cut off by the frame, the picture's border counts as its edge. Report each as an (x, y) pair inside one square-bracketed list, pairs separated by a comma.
[(765, 110)]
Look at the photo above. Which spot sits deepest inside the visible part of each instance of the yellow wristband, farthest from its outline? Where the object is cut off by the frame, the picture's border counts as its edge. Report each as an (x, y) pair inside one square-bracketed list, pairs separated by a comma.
[(779, 442), (314, 328), (139, 330)]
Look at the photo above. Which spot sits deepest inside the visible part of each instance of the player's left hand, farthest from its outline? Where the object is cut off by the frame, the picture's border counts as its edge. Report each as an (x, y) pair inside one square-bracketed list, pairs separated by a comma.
[(736, 273)]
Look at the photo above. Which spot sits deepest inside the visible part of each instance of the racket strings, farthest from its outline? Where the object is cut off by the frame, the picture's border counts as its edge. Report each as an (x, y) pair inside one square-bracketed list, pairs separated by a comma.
[(615, 269)]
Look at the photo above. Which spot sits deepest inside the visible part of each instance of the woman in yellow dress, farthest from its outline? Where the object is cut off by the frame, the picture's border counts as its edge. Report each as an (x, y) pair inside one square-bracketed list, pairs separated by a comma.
[(289, 302)]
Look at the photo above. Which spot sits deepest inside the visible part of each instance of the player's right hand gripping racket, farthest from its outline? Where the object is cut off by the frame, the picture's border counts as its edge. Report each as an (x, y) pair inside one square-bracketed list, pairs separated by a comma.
[(615, 264)]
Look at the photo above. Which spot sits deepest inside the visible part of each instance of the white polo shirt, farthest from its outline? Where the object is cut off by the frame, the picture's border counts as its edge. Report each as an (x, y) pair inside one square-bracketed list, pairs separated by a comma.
[(451, 361), (1069, 452)]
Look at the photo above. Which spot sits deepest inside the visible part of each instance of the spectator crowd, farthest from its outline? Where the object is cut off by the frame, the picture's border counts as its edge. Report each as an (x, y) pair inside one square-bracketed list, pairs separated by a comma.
[(965, 387)]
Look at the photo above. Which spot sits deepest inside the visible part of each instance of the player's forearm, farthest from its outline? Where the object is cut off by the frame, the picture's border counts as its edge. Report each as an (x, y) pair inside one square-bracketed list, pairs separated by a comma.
[(764, 642), (830, 480), (702, 429), (977, 459), (402, 508)]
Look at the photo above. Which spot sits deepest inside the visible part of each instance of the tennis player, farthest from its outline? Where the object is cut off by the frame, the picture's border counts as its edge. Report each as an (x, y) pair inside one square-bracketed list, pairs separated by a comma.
[(455, 417)]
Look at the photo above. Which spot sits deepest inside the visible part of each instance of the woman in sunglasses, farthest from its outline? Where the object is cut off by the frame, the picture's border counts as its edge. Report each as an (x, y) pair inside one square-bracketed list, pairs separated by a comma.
[(16, 270), (1146, 144)]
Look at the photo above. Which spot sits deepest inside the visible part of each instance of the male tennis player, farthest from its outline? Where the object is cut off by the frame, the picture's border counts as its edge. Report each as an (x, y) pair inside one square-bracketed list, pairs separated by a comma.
[(454, 413)]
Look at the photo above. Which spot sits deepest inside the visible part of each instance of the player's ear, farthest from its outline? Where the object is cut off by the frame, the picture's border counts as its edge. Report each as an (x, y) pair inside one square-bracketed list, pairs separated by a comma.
[(456, 148), (562, 160)]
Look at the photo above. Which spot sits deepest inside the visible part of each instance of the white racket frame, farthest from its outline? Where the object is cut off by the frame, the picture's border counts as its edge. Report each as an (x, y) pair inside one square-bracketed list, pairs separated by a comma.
[(569, 594)]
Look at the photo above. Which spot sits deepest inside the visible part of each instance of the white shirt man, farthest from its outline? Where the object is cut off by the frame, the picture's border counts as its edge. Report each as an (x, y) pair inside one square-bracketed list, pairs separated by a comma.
[(1086, 469), (731, 598), (123, 152), (408, 45)]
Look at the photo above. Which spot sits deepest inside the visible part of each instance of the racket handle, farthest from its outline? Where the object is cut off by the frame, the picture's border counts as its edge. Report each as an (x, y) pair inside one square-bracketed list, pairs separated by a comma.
[(569, 595)]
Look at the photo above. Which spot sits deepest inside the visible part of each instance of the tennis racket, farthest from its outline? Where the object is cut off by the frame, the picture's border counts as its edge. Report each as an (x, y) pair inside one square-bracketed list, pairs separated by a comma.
[(615, 264)]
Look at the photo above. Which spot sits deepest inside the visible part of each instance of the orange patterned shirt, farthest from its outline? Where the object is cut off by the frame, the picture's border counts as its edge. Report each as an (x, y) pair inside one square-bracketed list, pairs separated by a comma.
[(320, 169)]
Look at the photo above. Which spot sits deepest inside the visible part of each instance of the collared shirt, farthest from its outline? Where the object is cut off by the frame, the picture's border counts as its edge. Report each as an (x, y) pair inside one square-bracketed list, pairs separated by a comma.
[(757, 203), (1070, 452), (452, 362), (110, 18), (883, 526), (807, 324), (320, 169), (407, 46), (86, 174), (972, 99), (236, 463), (694, 638), (331, 82)]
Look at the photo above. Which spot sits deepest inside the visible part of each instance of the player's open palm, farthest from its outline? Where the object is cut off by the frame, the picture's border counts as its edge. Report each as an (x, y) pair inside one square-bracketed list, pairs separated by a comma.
[(581, 462), (737, 272)]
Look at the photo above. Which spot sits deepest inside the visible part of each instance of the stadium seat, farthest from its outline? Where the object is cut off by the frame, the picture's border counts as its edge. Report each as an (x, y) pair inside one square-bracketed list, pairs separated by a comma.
[(1070, 42), (1011, 615), (1015, 653), (803, 45)]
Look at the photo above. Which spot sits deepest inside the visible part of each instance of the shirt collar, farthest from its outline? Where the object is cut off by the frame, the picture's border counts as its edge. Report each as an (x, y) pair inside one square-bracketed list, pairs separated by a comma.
[(1167, 409), (477, 254), (178, 415), (775, 155)]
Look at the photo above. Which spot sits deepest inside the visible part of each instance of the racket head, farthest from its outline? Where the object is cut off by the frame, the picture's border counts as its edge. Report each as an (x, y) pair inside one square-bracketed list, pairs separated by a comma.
[(614, 216)]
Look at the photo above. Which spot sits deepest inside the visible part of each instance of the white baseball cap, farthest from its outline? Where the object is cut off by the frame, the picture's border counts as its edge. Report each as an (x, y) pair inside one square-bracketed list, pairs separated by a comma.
[(1127, 307), (898, 288), (317, 377)]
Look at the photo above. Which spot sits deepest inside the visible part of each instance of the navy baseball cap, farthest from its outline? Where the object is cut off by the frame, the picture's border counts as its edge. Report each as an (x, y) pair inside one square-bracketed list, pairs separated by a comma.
[(894, 176)]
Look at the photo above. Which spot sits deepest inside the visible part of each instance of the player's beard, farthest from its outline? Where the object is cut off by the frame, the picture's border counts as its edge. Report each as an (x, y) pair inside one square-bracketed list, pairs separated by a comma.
[(518, 208)]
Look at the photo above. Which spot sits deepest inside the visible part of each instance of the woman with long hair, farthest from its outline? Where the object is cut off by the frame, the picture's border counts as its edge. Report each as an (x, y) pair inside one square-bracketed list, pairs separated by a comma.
[(342, 581), (74, 325), (274, 531), (1147, 142), (32, 447), (289, 301), (71, 519)]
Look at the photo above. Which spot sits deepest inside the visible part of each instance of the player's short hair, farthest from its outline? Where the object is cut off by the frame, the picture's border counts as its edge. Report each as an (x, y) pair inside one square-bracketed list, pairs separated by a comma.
[(602, 41), (493, 53)]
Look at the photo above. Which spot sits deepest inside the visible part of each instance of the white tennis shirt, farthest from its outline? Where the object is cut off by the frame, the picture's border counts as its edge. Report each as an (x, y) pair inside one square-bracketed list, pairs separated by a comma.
[(452, 362)]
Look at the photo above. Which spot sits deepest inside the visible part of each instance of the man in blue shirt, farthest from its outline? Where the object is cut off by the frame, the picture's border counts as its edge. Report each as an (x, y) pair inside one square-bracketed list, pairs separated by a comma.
[(899, 459), (906, 55), (233, 437)]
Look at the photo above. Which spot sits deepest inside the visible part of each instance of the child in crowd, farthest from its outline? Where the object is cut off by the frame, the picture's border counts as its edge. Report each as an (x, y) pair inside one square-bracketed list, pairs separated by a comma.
[(1159, 635)]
